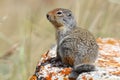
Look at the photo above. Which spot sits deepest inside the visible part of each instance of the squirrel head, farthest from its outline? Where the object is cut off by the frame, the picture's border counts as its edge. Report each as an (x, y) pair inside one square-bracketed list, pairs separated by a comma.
[(60, 17)]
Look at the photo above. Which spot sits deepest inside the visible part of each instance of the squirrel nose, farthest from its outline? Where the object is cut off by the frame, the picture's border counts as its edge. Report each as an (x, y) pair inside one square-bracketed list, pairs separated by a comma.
[(47, 16)]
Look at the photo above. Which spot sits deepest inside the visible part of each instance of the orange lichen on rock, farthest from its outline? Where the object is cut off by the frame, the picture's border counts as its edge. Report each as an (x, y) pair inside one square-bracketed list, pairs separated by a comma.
[(91, 78), (45, 55), (112, 41), (99, 40), (66, 71), (33, 77), (107, 41), (116, 73), (48, 77), (84, 77), (65, 78), (108, 63)]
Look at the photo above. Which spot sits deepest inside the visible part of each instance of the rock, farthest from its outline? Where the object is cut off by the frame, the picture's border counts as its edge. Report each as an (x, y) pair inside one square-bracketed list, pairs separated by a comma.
[(107, 64)]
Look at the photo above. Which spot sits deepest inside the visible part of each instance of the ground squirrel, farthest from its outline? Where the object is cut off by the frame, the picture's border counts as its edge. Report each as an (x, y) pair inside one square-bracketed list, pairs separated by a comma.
[(76, 47)]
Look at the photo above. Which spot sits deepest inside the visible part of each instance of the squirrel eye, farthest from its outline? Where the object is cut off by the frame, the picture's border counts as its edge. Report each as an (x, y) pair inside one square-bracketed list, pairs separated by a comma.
[(59, 12), (69, 14)]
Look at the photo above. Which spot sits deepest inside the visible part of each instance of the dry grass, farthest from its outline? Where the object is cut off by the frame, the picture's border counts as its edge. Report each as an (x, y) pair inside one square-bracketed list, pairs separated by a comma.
[(23, 23)]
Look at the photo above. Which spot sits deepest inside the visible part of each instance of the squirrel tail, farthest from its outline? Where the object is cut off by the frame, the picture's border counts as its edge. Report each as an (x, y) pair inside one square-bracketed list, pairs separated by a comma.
[(84, 68), (78, 69)]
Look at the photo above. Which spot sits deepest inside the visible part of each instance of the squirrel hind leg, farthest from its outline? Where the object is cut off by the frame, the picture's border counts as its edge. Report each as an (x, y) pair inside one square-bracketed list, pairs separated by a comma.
[(84, 68)]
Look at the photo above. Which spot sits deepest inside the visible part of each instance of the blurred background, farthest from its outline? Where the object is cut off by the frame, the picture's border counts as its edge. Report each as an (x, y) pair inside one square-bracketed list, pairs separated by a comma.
[(25, 33)]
